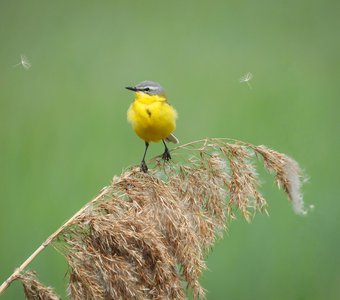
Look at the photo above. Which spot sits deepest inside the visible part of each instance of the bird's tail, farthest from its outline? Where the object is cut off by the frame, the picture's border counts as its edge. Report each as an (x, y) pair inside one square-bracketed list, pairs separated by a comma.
[(171, 138)]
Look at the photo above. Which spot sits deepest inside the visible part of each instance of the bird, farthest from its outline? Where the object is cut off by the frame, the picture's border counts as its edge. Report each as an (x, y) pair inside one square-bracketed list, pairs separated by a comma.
[(152, 118)]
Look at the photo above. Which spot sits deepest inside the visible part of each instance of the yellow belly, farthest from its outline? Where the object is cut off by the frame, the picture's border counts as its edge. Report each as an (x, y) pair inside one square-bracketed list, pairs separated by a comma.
[(152, 121)]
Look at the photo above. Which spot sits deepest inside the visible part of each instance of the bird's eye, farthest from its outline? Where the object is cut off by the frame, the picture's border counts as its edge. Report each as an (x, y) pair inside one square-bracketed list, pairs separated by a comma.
[(147, 89)]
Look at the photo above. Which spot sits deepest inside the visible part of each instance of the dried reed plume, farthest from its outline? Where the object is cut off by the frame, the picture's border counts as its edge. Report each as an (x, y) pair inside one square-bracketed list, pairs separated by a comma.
[(145, 236), (34, 290)]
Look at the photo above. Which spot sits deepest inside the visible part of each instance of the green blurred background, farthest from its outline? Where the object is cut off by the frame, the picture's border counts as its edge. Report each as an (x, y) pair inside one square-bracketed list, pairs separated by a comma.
[(63, 129)]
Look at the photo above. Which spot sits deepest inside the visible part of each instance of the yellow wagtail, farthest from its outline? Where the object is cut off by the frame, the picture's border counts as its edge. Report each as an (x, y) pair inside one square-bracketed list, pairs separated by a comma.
[(152, 117)]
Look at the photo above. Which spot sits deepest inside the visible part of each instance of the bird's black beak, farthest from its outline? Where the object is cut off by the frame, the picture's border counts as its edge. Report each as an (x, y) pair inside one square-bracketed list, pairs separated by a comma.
[(131, 88)]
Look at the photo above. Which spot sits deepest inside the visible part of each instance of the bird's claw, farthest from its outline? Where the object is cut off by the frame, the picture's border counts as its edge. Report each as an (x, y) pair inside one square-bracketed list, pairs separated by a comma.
[(166, 155), (143, 167)]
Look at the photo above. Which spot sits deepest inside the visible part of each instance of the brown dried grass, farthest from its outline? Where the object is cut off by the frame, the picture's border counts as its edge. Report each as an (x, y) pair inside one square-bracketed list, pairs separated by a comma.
[(146, 235), (35, 290)]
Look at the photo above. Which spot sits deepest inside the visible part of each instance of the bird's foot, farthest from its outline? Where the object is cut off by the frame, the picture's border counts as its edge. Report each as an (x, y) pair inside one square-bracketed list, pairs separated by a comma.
[(166, 155), (143, 167)]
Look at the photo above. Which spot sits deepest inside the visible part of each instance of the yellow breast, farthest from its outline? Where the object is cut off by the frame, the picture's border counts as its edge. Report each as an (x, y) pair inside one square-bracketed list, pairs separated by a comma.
[(151, 117)]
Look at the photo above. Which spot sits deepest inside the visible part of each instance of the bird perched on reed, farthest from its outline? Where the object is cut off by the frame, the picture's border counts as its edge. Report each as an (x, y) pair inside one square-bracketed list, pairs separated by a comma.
[(152, 117)]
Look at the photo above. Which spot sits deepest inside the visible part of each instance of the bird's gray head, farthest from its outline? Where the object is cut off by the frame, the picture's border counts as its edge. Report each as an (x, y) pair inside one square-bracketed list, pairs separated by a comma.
[(148, 87)]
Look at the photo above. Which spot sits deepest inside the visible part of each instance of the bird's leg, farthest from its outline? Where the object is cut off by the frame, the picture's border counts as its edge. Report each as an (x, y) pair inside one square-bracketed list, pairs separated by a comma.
[(166, 155), (143, 166)]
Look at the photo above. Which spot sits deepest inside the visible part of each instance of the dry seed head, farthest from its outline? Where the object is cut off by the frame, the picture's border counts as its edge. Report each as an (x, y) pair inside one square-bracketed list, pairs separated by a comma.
[(147, 235), (34, 290), (288, 175)]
